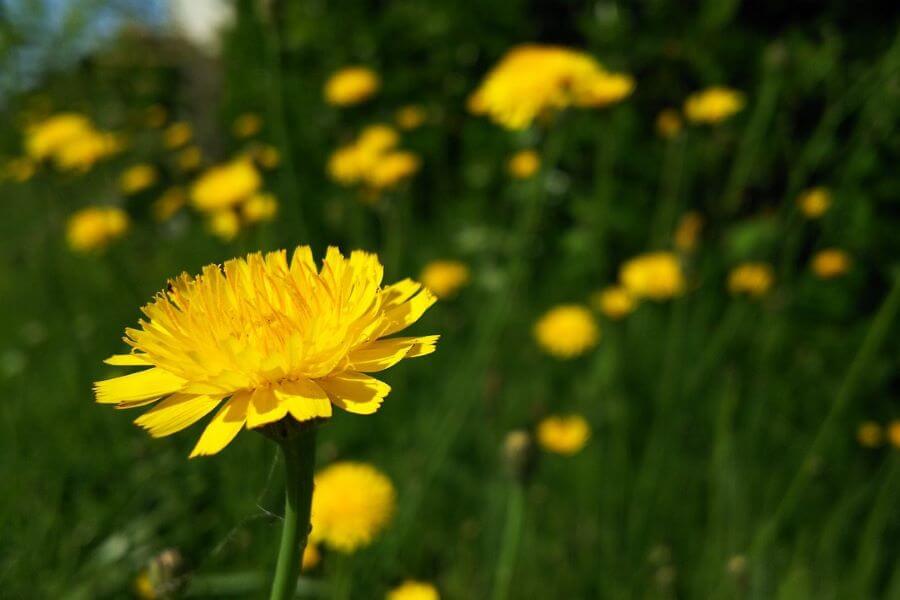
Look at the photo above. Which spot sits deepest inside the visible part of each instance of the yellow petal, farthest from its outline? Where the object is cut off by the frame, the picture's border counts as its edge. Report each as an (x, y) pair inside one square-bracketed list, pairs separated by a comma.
[(355, 392), (224, 426), (265, 408), (398, 293), (175, 413), (422, 346), (304, 399), (127, 360), (142, 385), (385, 353), (404, 315)]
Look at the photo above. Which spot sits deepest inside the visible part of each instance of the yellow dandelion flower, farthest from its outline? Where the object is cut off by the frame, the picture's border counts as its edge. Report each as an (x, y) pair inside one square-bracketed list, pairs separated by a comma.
[(378, 138), (266, 156), (259, 207), (410, 117), (668, 123), (143, 587), (189, 159), (169, 203), (269, 340), (177, 135), (311, 557), (532, 79), (870, 434), (830, 263), (713, 105), (567, 331), (137, 178), (81, 153), (20, 169), (655, 275), (155, 116), (352, 503), (94, 228), (372, 160), (445, 277), (893, 433), (687, 233), (47, 137), (615, 302), (814, 202), (351, 85), (563, 434), (523, 164), (224, 224), (751, 278), (246, 125), (225, 185), (391, 169), (414, 590)]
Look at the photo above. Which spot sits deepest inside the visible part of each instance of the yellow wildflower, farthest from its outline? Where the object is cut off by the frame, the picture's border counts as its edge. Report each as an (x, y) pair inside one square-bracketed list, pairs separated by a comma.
[(410, 117), (668, 123), (225, 185), (20, 169), (246, 125), (870, 434), (414, 590), (567, 331), (614, 301), (46, 138), (169, 203), (352, 503), (814, 202), (190, 158), (532, 79), (266, 156), (688, 231), (143, 587), (563, 434), (351, 85), (893, 431), (392, 168), (269, 339), (713, 105), (523, 164), (751, 278), (372, 160), (177, 135), (80, 154), (830, 263), (137, 178), (259, 207), (655, 275), (311, 557), (445, 277), (224, 224), (94, 228)]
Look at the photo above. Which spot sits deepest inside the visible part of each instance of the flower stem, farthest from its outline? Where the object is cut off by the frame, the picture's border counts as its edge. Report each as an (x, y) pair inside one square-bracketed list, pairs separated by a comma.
[(512, 533), (299, 454)]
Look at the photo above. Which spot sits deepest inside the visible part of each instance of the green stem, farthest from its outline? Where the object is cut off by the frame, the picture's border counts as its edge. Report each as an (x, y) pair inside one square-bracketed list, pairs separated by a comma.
[(878, 330), (299, 454), (512, 534)]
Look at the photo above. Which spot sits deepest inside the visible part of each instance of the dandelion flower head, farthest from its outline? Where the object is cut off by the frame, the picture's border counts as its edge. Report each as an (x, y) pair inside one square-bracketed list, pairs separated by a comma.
[(224, 186), (137, 178), (567, 331), (668, 123), (814, 202), (351, 85), (563, 434), (246, 125), (713, 105), (830, 263), (177, 135), (615, 302), (94, 228), (687, 233), (414, 590), (751, 278), (870, 434), (445, 277), (410, 117), (523, 164), (655, 275)]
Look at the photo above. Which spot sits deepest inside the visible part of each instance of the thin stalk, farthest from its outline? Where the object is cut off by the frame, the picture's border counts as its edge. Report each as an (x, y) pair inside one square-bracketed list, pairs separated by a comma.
[(878, 330), (512, 535), (671, 176), (299, 454)]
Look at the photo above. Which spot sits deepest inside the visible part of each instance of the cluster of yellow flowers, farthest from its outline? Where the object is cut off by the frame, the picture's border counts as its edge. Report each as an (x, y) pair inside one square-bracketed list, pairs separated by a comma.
[(71, 141), (229, 195), (871, 434), (373, 161), (708, 107), (534, 80)]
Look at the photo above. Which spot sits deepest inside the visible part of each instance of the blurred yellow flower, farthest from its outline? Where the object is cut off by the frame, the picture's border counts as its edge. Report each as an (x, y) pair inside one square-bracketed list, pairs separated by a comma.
[(445, 277), (269, 338), (246, 125), (567, 331), (143, 587), (82, 152), (751, 278), (687, 233), (311, 557), (226, 185), (814, 202), (94, 228), (190, 159), (830, 263), (893, 435), (532, 79), (655, 275), (155, 116), (523, 164), (372, 160), (19, 169), (410, 117), (266, 156), (169, 203), (47, 137), (224, 224), (563, 434), (713, 105), (391, 168), (177, 135), (259, 207), (614, 301), (351, 85), (137, 178), (870, 434), (414, 590), (668, 123), (352, 503)]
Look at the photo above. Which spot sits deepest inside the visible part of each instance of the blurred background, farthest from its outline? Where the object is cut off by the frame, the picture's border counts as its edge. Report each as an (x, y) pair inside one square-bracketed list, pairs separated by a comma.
[(718, 420)]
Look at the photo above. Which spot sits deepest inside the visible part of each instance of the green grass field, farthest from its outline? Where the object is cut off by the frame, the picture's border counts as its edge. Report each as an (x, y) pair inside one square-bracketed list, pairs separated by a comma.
[(725, 458)]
